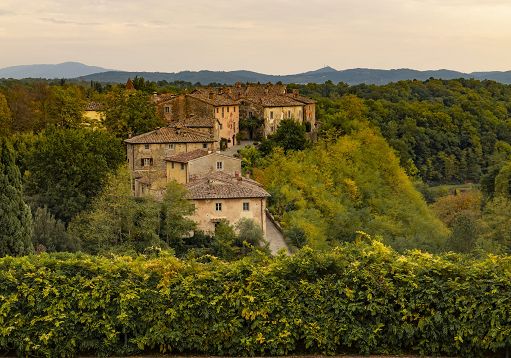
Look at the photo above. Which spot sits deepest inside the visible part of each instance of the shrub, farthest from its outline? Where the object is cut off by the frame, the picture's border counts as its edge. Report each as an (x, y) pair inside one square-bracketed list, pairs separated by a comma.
[(360, 297)]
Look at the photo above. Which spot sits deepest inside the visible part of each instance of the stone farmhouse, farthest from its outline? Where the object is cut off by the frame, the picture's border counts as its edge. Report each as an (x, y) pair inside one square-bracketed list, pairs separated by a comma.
[(213, 180), (221, 196), (230, 105), (147, 153)]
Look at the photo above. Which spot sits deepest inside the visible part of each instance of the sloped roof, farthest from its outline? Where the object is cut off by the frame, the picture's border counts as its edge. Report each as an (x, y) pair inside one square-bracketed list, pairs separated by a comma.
[(300, 98), (220, 185), (187, 156), (213, 96), (171, 135)]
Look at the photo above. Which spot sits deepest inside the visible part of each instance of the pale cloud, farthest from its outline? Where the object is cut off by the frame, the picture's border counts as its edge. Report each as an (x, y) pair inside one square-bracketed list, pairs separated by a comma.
[(273, 36)]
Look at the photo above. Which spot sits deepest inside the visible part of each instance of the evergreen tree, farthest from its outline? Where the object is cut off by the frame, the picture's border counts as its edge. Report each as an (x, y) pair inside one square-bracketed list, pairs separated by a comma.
[(15, 216)]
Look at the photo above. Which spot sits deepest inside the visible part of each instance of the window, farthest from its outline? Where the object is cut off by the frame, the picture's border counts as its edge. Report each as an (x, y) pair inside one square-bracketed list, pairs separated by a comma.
[(218, 206), (219, 165), (271, 114), (172, 164), (220, 125), (222, 112), (167, 109), (288, 114), (182, 166), (246, 206), (145, 162), (204, 145), (216, 109), (250, 115), (146, 146), (227, 109), (234, 109), (171, 146)]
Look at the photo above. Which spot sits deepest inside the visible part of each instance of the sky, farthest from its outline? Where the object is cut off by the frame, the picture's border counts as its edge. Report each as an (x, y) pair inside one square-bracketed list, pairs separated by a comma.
[(269, 36)]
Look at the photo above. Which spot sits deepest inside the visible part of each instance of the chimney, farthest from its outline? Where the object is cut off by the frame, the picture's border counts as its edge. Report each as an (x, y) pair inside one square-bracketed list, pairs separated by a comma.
[(295, 93)]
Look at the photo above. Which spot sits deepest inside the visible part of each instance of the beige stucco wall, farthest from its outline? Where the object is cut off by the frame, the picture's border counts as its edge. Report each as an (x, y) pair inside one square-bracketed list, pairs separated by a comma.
[(208, 164), (232, 210), (203, 165), (177, 171), (229, 117), (280, 113)]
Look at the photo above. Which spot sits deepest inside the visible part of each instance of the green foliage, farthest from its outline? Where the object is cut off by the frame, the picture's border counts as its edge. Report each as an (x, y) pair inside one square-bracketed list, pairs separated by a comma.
[(117, 221), (250, 158), (5, 116), (131, 113), (249, 232), (175, 209), (15, 216), (66, 168), (496, 226), (290, 135), (448, 129), (65, 106), (360, 298), (50, 234), (338, 188)]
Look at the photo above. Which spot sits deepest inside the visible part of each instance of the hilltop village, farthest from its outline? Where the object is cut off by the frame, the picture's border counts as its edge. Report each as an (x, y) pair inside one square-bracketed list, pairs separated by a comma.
[(201, 125)]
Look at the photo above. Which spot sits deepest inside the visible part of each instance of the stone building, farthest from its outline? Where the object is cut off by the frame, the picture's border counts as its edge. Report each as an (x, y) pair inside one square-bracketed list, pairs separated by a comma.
[(220, 196), (186, 167), (204, 103), (147, 153), (270, 103)]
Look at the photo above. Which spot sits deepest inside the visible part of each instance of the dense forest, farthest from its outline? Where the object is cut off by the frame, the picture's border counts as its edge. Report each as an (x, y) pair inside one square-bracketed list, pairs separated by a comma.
[(403, 197)]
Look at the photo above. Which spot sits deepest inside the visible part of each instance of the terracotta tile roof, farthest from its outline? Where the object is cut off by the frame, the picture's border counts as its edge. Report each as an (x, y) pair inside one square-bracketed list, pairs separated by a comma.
[(164, 97), (94, 106), (171, 135), (279, 101), (213, 96), (194, 122), (187, 156), (220, 185), (300, 98)]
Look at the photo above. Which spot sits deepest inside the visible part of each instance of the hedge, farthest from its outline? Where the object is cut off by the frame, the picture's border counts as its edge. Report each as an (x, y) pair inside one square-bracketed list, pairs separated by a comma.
[(361, 297)]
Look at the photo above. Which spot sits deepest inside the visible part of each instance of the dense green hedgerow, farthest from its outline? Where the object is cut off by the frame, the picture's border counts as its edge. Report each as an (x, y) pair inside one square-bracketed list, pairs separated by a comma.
[(361, 297)]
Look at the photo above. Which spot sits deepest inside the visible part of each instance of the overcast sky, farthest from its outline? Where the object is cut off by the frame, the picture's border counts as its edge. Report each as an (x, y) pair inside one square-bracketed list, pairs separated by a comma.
[(271, 36)]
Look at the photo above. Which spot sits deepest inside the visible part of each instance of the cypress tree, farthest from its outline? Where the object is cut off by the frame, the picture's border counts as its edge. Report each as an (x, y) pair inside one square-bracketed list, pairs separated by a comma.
[(15, 216)]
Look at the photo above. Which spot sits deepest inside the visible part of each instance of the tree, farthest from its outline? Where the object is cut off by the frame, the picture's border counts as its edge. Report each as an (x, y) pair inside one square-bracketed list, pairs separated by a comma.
[(50, 234), (65, 107), (290, 135), (131, 113), (175, 210), (15, 216), (249, 232), (496, 226), (117, 221), (5, 116), (66, 169)]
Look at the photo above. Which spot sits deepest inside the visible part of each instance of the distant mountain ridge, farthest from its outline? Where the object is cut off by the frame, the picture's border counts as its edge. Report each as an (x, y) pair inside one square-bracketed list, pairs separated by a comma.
[(76, 70), (50, 71), (350, 76)]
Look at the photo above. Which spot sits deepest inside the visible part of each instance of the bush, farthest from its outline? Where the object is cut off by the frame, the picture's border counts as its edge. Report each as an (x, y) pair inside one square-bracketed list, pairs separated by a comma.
[(360, 297)]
